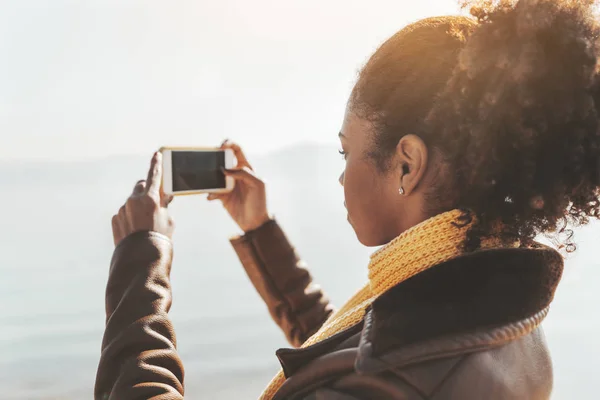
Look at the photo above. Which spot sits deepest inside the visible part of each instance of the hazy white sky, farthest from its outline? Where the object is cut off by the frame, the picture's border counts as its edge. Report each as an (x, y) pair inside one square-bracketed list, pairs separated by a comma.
[(91, 78)]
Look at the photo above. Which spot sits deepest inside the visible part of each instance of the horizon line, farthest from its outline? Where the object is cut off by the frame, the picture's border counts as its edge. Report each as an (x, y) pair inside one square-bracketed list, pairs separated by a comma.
[(69, 160)]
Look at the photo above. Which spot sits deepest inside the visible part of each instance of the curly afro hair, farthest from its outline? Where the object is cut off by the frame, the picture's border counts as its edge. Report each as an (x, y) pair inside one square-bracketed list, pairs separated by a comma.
[(510, 100)]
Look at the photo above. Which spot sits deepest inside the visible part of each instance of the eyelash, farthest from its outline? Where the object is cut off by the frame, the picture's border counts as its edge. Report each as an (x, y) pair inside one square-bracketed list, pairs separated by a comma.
[(343, 153)]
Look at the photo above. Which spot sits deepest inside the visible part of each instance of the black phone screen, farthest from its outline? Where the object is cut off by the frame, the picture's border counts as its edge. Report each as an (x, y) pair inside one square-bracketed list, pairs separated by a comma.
[(197, 170)]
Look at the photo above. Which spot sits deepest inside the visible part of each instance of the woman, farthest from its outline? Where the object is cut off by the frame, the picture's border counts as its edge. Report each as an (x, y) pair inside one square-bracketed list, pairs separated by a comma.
[(463, 139)]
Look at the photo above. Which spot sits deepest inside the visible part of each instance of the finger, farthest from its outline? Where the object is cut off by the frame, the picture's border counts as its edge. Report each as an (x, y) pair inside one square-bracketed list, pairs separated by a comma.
[(165, 199), (155, 175), (116, 229), (139, 188), (215, 196), (117, 225), (244, 174), (242, 161)]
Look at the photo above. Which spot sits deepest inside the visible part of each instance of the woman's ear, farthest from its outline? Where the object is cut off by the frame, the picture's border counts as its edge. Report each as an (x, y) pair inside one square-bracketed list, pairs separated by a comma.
[(413, 157)]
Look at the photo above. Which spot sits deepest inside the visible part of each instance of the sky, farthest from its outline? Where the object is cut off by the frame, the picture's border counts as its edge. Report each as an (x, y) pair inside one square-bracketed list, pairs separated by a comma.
[(95, 78)]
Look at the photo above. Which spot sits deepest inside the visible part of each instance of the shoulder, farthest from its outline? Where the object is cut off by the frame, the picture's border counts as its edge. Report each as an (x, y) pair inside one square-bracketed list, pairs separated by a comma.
[(510, 361), (521, 369), (454, 367), (461, 330)]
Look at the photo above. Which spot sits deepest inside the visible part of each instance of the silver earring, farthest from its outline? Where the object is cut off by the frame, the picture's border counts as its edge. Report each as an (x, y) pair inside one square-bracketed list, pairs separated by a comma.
[(401, 190)]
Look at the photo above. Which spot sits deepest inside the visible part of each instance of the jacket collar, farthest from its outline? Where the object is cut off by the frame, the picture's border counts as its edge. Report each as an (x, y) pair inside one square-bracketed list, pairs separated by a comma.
[(481, 299)]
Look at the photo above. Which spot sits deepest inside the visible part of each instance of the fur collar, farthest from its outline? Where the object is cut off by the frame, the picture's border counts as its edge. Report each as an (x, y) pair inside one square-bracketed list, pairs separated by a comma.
[(476, 291)]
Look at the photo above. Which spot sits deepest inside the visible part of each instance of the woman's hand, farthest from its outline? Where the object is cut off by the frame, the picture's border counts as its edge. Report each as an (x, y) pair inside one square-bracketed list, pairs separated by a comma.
[(146, 208), (247, 202)]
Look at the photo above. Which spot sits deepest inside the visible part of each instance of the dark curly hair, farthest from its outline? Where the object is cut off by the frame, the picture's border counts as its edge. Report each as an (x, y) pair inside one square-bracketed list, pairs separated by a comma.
[(509, 100)]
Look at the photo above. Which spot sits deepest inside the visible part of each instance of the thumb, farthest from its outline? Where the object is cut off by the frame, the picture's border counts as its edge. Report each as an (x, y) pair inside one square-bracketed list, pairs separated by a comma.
[(243, 174), (166, 199), (214, 196)]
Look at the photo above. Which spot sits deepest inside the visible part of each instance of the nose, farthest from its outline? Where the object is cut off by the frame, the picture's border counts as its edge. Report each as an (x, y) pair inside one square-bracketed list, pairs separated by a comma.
[(341, 178)]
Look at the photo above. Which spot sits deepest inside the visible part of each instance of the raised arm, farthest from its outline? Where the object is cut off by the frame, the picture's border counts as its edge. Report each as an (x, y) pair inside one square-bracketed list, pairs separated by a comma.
[(282, 280), (139, 357), (296, 304)]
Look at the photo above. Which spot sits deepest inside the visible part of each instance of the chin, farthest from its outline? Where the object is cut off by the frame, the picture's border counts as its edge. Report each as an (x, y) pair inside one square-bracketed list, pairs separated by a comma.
[(369, 240), (369, 236)]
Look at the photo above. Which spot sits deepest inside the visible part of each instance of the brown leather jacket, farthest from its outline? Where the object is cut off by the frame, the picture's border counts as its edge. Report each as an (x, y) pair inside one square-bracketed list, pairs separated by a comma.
[(465, 329)]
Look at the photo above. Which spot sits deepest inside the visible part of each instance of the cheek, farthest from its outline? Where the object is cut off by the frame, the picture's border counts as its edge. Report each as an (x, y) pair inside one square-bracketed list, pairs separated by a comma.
[(352, 181), (349, 183), (363, 194)]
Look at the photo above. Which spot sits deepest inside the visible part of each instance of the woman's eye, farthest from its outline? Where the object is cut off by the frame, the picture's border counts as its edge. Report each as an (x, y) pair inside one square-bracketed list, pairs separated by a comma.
[(343, 153)]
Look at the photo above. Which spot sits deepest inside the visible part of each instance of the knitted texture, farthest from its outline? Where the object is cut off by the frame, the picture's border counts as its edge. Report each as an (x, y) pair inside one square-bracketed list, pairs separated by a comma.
[(423, 246)]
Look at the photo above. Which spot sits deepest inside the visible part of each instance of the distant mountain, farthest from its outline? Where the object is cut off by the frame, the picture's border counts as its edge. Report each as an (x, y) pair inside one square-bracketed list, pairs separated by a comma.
[(295, 162)]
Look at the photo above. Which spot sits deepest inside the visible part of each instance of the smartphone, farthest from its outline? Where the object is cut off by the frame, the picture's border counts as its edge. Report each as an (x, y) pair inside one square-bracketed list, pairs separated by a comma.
[(195, 170)]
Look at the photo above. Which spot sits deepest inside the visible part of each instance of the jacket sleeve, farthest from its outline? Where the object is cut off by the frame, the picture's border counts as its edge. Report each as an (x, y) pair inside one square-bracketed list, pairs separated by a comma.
[(295, 303), (139, 358)]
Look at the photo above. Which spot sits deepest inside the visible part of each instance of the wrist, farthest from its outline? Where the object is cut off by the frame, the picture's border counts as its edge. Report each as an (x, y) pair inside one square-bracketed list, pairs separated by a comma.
[(254, 225)]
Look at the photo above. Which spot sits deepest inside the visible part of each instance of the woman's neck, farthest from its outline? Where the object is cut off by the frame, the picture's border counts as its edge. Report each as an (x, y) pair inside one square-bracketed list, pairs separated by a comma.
[(431, 242)]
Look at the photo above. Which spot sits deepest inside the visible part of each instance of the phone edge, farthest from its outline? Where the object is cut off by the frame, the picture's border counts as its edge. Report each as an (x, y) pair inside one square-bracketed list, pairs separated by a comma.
[(167, 181), (168, 172)]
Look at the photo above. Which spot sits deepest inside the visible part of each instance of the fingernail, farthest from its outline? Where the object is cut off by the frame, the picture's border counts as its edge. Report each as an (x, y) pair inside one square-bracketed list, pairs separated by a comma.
[(224, 141)]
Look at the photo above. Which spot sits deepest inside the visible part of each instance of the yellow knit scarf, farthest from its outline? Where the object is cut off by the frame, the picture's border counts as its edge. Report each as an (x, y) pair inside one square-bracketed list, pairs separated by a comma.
[(421, 247)]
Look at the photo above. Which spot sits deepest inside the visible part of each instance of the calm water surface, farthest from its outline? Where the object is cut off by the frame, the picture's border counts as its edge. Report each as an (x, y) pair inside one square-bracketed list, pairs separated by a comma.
[(55, 243)]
